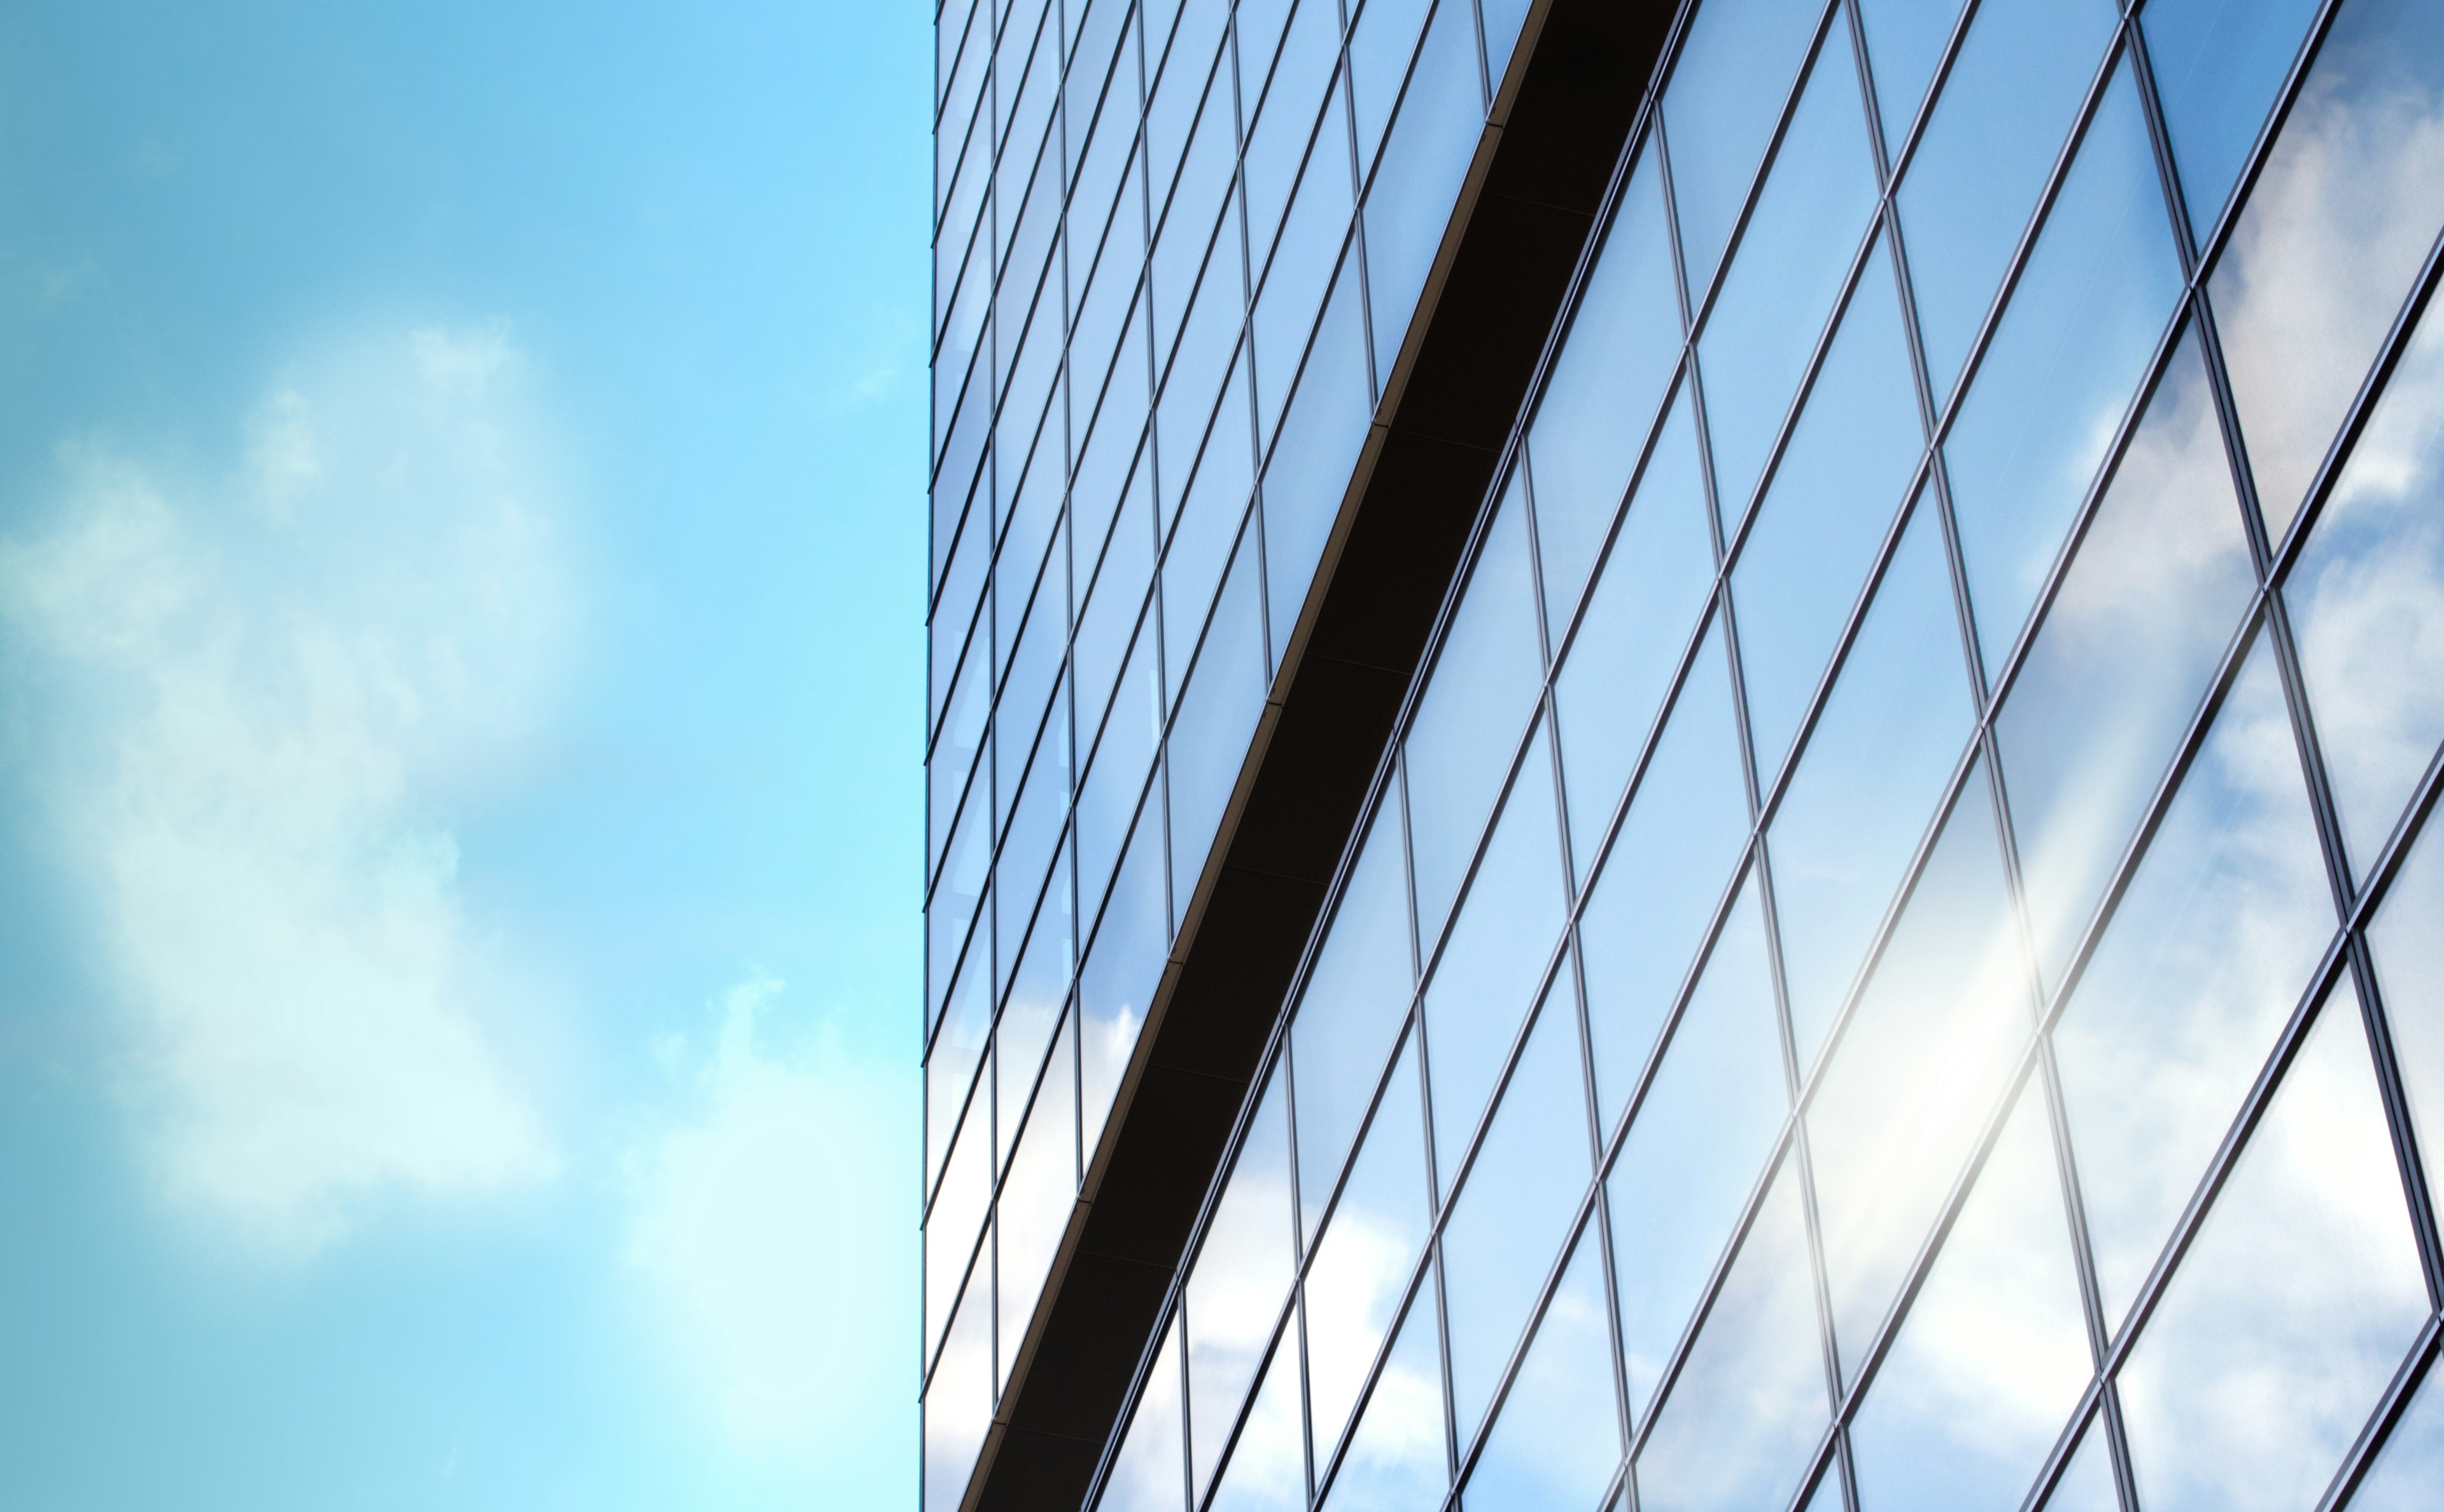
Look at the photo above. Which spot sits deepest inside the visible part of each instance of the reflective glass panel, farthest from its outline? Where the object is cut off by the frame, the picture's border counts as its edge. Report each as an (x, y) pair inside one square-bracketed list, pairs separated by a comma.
[(2006, 108), (2127, 649), (1624, 342), (1123, 968), (1369, 1248), (2086, 1483), (1238, 1285), (2202, 962), (2411, 1465), (2070, 351), (1826, 512), (2218, 65), (2408, 940), (2294, 1306), (959, 1402), (1217, 718), (1905, 41), (2367, 602), (1498, 950), (1381, 41), (1039, 989), (1721, 107), (1484, 684), (1038, 1196), (1993, 1352), (1748, 1405), (953, 1224), (1666, 873), (1556, 1442), (2327, 243), (958, 1048), (1114, 791), (1418, 181), (1267, 1468), (1294, 285), (1398, 1459), (1285, 122), (1207, 527), (1786, 272), (1514, 1213), (1639, 616), (1356, 997), (1320, 435), (1918, 1071), (1868, 779), (1148, 1474), (1699, 1144)]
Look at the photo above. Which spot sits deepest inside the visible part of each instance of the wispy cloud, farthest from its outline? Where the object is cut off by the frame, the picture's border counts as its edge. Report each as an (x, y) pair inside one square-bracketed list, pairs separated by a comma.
[(764, 1222), (260, 699)]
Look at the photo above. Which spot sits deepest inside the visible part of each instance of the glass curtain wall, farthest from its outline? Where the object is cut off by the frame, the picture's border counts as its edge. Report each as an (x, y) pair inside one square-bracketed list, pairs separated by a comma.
[(1897, 965), (1176, 247)]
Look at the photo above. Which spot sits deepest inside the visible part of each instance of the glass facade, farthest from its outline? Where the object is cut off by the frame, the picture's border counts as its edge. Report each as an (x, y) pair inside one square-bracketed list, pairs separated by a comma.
[(1892, 961)]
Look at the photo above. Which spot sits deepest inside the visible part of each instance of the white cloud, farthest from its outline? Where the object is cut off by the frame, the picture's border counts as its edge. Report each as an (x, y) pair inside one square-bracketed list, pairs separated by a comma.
[(258, 700), (758, 1214)]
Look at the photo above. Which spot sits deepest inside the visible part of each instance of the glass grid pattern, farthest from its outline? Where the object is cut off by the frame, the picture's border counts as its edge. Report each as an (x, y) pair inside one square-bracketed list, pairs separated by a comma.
[(1892, 962), (1176, 249)]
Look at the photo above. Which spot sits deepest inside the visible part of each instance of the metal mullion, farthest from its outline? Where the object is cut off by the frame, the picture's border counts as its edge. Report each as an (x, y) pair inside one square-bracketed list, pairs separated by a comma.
[(1866, 65), (1819, 29), (2361, 1456)]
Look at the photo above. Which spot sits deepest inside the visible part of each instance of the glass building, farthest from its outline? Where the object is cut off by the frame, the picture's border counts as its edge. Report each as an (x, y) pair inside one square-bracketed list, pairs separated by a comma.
[(1677, 756)]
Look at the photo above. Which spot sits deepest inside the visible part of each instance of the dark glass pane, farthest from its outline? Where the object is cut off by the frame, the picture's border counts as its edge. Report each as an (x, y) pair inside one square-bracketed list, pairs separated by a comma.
[(2069, 355), (1623, 343), (2341, 215), (2126, 654), (1750, 1405), (2006, 109), (2218, 65), (1629, 645), (1994, 1353), (1905, 41), (1832, 500), (1557, 1441), (1685, 831), (1868, 779), (1366, 1255), (1268, 1469), (1425, 160), (2294, 1305), (1499, 946), (1920, 1069), (1398, 1459), (2203, 960), (1483, 688), (2367, 602), (959, 1402), (2408, 940), (1356, 997), (1786, 273), (1725, 99), (2411, 1465), (1513, 1214), (1697, 1148), (1320, 435), (1038, 1197), (1148, 1474), (1239, 1283), (1217, 718)]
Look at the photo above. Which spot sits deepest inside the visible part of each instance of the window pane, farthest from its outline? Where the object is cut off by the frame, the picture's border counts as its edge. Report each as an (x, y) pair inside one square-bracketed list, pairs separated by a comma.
[(1697, 1148), (1623, 343), (1917, 1072), (1148, 1474), (2294, 1305), (2411, 1465), (2408, 940), (1109, 798), (1039, 990), (1655, 585), (1685, 831), (1868, 779), (1484, 686), (2343, 214), (1381, 44), (1724, 101), (1294, 285), (1118, 596), (954, 1225), (1398, 1459), (2204, 957), (1268, 1469), (1830, 504), (2217, 67), (2126, 652), (1750, 1405), (1039, 1196), (1905, 41), (1557, 1442), (1217, 718), (1994, 1353), (1123, 967), (2071, 350), (1512, 1216), (2367, 603), (1369, 1248), (2086, 1484), (959, 1403), (1207, 527), (1357, 995), (2006, 109), (1505, 935), (1424, 163), (1320, 435), (1786, 273), (1239, 1283), (1285, 123), (958, 1048)]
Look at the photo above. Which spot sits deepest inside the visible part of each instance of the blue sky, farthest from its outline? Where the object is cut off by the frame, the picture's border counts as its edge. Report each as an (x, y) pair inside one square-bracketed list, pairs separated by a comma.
[(461, 560)]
